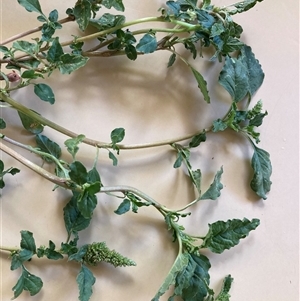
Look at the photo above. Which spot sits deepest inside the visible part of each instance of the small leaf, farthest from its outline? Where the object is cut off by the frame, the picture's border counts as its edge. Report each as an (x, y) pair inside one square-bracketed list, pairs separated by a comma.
[(27, 282), (85, 281), (219, 126), (224, 293), (17, 259), (196, 140), (31, 124), (113, 158), (123, 207), (78, 173), (27, 241), (44, 92), (48, 146), (31, 5), (74, 220), (82, 13), (53, 16), (225, 235), (2, 124), (213, 192), (202, 84), (262, 168), (25, 46), (179, 265), (86, 204), (117, 135), (78, 256), (172, 60), (55, 51), (72, 144), (70, 62), (131, 52), (117, 4), (147, 44)]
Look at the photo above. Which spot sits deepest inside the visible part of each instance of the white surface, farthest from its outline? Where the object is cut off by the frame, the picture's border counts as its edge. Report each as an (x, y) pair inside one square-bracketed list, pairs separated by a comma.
[(153, 103)]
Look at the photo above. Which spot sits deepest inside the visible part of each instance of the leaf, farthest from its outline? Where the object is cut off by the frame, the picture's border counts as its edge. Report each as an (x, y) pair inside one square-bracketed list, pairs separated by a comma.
[(131, 52), (117, 4), (196, 140), (85, 281), (27, 282), (72, 144), (219, 126), (31, 124), (113, 158), (254, 71), (243, 6), (53, 16), (107, 21), (44, 92), (117, 135), (262, 168), (2, 124), (78, 173), (27, 241), (201, 84), (123, 207), (147, 44), (17, 259), (172, 60), (192, 282), (224, 293), (195, 176), (78, 256), (55, 51), (225, 235), (86, 204), (31, 5), (213, 192), (74, 220), (48, 146), (179, 265), (25, 46), (234, 79), (93, 176), (82, 13), (70, 62)]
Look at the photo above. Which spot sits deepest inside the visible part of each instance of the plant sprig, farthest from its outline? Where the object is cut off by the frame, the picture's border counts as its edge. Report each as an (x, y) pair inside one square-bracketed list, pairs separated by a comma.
[(195, 26)]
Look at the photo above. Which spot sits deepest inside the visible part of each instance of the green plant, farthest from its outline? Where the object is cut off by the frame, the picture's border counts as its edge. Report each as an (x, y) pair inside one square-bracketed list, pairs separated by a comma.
[(195, 26)]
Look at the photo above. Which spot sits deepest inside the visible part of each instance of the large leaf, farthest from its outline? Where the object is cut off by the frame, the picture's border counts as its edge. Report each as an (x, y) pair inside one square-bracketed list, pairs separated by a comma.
[(117, 4), (85, 281), (147, 44), (70, 62), (225, 235), (262, 168), (86, 204), (55, 51), (192, 282), (31, 124), (78, 173), (27, 241), (82, 13)]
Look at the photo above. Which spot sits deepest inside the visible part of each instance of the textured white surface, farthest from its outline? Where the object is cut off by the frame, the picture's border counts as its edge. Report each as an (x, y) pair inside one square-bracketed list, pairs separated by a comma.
[(153, 103)]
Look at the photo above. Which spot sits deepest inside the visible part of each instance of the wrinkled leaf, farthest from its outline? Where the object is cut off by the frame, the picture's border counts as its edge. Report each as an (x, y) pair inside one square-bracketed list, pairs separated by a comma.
[(262, 168), (225, 235), (72, 144), (82, 13), (117, 4), (224, 293), (27, 241), (123, 207), (70, 62), (202, 84), (55, 51), (31, 5), (78, 173), (85, 281), (48, 146)]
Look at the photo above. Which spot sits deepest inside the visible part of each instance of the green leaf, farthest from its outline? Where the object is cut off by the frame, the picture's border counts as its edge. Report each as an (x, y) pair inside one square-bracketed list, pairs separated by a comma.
[(72, 144), (243, 6), (179, 265), (48, 146), (78, 256), (31, 74), (196, 140), (107, 21), (113, 158), (86, 204), (78, 173), (55, 51), (196, 176), (123, 207), (262, 168), (178, 161), (172, 60), (94, 176), (117, 135), (224, 293), (51, 253), (74, 220), (2, 124), (85, 281), (192, 282), (225, 235), (44, 92), (82, 13), (131, 52), (25, 46), (27, 241), (213, 192), (31, 5), (27, 282), (202, 84), (70, 62), (117, 4), (147, 44), (219, 126), (17, 259), (31, 124)]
